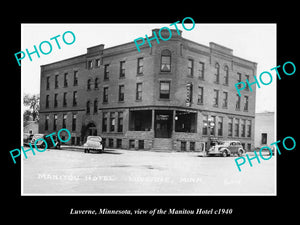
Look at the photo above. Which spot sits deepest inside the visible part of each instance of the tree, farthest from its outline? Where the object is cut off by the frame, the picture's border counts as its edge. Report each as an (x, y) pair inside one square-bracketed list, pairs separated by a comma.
[(33, 102)]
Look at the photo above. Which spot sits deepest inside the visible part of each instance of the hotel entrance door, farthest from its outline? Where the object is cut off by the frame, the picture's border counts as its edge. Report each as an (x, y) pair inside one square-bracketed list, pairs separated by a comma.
[(163, 123)]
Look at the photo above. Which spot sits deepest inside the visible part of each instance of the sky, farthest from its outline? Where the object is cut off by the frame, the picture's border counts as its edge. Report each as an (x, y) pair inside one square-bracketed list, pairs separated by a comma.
[(254, 42)]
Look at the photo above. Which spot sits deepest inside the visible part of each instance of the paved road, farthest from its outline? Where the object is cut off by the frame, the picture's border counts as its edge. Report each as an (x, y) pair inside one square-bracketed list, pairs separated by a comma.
[(142, 173)]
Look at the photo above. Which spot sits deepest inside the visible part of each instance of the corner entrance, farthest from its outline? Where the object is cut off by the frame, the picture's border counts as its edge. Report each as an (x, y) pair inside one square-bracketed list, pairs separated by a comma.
[(163, 123)]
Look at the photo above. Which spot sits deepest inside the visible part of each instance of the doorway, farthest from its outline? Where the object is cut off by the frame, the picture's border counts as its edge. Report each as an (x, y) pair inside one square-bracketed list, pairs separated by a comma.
[(163, 123)]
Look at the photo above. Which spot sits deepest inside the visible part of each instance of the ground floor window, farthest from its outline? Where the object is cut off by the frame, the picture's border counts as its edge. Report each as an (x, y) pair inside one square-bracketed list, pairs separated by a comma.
[(185, 122), (141, 144), (119, 143), (183, 146), (131, 144), (140, 120)]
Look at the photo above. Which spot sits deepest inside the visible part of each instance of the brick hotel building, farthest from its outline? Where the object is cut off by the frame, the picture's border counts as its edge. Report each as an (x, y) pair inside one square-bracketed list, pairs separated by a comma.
[(159, 98)]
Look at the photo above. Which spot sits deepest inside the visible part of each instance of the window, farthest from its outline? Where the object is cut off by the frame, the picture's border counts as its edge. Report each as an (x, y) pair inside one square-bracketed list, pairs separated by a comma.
[(246, 103), (56, 81), (74, 117), (264, 138), (139, 91), (65, 99), (64, 120), (205, 124), (47, 83), (54, 121), (90, 64), (96, 83), (238, 102), (200, 95), (225, 99), (66, 80), (248, 128), (75, 98), (112, 122), (239, 79), (217, 74), (236, 128), (216, 98), (247, 86), (122, 69), (104, 122), (226, 75), (140, 65), (213, 128), (46, 122), (89, 84), (47, 101), (183, 145), (164, 90), (165, 64), (243, 133), (141, 144), (97, 63), (105, 94), (106, 72), (120, 121), (201, 71), (75, 81), (121, 93), (88, 107), (192, 146), (55, 100), (190, 67), (95, 106), (119, 143), (230, 126), (220, 126)]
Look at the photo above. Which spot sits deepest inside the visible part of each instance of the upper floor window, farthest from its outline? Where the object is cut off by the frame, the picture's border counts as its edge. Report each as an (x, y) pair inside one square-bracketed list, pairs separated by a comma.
[(226, 75), (122, 69), (96, 83), (106, 72), (48, 83), (201, 71), (140, 65), (75, 81), (66, 80), (89, 84), (217, 74), (164, 90), (90, 64), (190, 67), (165, 64)]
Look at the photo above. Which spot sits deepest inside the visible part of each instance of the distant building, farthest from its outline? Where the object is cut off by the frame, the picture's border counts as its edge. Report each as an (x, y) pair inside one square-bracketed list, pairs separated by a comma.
[(264, 129), (32, 127), (159, 98)]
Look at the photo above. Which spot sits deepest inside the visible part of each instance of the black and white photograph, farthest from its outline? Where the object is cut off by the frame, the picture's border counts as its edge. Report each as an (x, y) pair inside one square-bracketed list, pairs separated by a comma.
[(149, 109)]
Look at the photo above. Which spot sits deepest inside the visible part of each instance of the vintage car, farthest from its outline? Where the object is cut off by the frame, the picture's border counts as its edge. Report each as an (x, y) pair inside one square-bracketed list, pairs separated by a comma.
[(93, 143), (41, 144), (226, 148)]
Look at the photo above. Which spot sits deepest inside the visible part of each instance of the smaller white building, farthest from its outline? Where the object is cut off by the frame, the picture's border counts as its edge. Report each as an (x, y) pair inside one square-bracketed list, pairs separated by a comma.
[(264, 129)]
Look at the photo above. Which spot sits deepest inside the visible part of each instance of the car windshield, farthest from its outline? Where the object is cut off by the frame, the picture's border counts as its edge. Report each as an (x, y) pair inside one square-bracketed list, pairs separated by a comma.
[(223, 142), (37, 136), (94, 138)]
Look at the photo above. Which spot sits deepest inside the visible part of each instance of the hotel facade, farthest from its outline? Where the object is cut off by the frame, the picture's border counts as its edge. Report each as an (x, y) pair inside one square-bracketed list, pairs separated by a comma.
[(159, 98)]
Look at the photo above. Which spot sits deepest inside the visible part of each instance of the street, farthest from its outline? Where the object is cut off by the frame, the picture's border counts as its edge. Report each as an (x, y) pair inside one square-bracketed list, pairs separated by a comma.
[(124, 172)]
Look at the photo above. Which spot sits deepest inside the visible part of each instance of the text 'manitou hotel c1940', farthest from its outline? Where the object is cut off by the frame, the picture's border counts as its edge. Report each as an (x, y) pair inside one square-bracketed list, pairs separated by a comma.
[(162, 97)]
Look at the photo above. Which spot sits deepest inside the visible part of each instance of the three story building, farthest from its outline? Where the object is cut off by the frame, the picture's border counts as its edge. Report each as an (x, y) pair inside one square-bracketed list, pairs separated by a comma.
[(159, 98)]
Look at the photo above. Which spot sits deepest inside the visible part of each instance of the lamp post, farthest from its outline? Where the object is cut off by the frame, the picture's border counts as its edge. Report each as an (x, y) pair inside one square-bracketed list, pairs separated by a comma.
[(210, 124)]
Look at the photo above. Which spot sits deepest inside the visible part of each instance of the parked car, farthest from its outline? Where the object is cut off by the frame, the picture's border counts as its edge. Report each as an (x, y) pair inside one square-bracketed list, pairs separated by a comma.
[(93, 143), (41, 144), (227, 148)]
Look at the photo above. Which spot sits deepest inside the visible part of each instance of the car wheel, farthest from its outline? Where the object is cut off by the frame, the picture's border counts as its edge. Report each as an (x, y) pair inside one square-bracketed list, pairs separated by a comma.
[(224, 153), (240, 152)]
